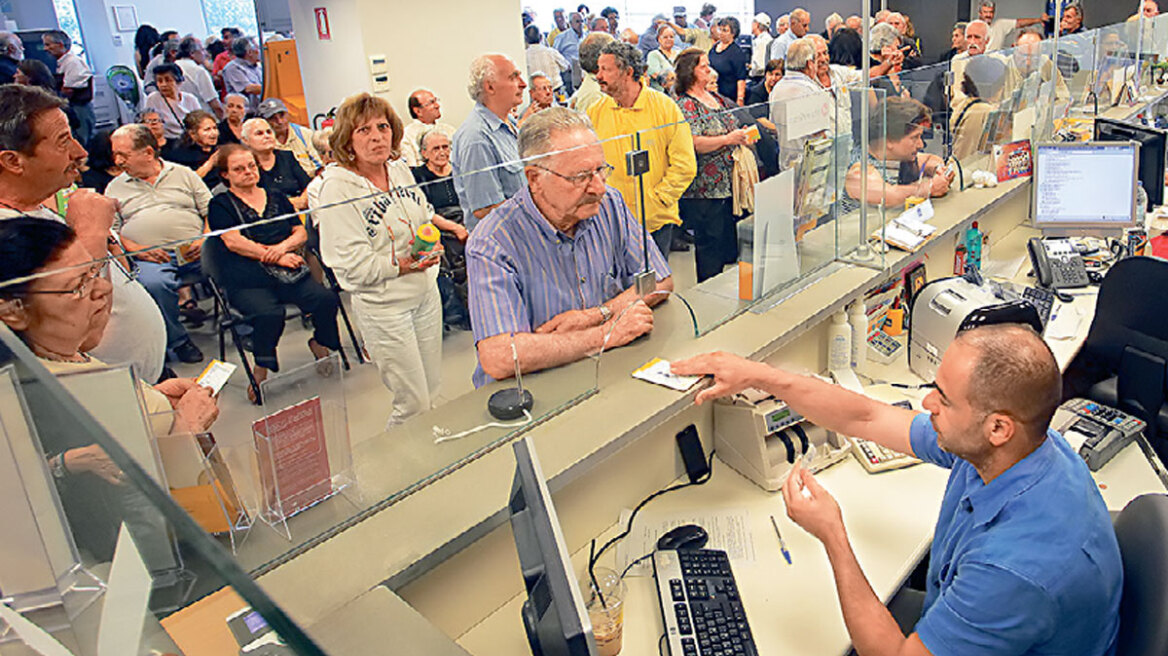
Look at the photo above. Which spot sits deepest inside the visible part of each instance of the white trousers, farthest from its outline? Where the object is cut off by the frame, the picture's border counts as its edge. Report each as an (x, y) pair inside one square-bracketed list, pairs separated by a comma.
[(405, 341)]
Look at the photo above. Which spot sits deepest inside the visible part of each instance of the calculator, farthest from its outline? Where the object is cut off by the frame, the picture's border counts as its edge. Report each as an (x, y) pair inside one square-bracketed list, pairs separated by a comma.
[(877, 459), (882, 348)]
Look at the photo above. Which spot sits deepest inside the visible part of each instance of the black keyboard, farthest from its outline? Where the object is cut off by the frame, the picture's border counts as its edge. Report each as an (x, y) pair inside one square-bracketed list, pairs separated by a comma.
[(1042, 300), (700, 605)]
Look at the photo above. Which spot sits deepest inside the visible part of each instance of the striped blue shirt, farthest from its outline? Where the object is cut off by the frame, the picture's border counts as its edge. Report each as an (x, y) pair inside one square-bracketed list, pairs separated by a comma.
[(523, 271)]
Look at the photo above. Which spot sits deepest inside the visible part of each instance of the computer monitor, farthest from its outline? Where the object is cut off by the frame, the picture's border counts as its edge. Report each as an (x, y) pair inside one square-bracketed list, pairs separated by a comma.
[(1085, 188), (553, 615), (1153, 146)]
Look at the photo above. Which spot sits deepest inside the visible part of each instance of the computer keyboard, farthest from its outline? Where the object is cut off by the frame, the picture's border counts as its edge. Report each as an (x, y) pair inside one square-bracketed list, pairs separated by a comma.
[(876, 458), (1042, 300), (700, 604)]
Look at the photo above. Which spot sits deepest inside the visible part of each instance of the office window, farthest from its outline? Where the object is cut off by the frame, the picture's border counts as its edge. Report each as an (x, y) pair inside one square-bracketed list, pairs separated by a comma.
[(68, 23), (230, 13)]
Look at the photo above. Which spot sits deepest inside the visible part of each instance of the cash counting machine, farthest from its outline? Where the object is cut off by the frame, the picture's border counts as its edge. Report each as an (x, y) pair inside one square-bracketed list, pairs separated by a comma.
[(947, 306), (761, 438)]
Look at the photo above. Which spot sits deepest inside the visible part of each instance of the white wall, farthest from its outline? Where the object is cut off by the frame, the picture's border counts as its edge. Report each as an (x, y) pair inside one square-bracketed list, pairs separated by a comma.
[(430, 44)]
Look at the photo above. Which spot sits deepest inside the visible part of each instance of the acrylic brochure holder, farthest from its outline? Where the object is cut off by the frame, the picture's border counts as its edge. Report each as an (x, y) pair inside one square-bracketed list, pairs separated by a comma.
[(303, 455), (41, 575)]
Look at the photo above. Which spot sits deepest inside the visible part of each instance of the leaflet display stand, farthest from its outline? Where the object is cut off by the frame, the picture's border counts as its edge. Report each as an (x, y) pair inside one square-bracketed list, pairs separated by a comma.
[(41, 575), (302, 450)]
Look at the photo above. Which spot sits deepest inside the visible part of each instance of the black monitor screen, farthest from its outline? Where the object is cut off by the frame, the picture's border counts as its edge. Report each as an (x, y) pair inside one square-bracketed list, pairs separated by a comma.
[(553, 615), (1153, 143)]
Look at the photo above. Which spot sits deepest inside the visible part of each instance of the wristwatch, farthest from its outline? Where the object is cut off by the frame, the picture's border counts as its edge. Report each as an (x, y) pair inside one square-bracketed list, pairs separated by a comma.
[(605, 313), (57, 466)]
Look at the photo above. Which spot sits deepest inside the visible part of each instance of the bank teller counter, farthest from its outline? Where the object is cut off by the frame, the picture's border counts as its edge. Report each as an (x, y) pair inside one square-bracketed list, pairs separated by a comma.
[(436, 512)]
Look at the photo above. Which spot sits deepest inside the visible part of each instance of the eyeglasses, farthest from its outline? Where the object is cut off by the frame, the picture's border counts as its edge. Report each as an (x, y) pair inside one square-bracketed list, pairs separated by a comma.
[(581, 179), (432, 101), (84, 286)]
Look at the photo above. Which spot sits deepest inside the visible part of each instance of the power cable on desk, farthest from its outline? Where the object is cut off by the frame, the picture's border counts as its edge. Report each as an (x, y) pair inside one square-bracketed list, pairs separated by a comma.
[(659, 641), (629, 527)]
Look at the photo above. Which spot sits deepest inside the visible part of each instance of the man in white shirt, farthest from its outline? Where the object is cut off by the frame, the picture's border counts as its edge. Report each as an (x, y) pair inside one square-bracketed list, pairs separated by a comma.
[(293, 138), (38, 158), (196, 78), (799, 80), (760, 29), (426, 109), (161, 203), (75, 81), (1000, 28), (544, 59)]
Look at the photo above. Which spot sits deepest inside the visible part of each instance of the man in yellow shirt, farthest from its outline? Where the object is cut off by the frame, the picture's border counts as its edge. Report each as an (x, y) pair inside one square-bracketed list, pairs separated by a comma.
[(629, 107)]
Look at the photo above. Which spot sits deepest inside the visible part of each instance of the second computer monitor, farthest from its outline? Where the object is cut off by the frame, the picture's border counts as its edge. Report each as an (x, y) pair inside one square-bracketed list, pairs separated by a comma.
[(1153, 143), (1085, 188)]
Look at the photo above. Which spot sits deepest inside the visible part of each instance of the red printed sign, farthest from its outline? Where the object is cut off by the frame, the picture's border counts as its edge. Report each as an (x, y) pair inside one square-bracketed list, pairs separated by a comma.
[(294, 465), (322, 24)]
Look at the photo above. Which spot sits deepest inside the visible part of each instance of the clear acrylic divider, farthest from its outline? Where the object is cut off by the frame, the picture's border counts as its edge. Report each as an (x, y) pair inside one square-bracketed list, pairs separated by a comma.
[(89, 471)]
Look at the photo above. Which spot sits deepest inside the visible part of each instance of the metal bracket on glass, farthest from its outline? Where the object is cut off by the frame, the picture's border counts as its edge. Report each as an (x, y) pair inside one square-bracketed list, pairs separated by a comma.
[(645, 282), (637, 162)]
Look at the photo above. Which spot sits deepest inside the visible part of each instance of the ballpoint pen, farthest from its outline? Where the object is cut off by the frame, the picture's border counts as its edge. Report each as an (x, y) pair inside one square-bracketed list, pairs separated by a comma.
[(782, 543)]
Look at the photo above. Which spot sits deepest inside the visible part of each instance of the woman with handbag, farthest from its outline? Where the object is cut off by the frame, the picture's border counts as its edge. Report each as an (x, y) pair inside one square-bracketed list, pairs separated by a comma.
[(171, 104), (258, 265), (707, 206)]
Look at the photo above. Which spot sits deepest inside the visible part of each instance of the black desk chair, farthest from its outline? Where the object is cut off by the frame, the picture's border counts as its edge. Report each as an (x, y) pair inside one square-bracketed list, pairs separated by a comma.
[(1142, 531), (228, 319), (330, 282), (1124, 361)]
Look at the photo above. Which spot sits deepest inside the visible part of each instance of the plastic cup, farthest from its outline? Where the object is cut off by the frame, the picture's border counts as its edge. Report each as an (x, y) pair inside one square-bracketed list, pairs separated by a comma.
[(604, 601)]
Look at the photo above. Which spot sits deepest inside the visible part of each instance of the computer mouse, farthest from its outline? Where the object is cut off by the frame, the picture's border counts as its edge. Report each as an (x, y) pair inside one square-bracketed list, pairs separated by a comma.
[(686, 536)]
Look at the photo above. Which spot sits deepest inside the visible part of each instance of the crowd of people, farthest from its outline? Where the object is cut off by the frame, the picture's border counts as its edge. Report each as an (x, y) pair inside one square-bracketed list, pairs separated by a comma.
[(514, 210)]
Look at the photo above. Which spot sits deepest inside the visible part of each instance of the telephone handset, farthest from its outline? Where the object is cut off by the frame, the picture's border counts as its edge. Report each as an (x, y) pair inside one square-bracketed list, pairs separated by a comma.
[(1057, 264)]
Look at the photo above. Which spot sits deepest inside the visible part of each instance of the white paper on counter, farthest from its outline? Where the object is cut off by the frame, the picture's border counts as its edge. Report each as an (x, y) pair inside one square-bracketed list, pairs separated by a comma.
[(127, 600), (729, 530), (31, 634)]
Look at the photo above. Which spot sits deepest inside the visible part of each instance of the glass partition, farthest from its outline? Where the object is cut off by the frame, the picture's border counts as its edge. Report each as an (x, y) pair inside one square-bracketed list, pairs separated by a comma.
[(418, 364)]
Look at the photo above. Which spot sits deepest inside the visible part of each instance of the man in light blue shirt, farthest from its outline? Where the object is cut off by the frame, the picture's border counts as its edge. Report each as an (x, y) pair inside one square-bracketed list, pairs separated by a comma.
[(1024, 559), (485, 150), (568, 41)]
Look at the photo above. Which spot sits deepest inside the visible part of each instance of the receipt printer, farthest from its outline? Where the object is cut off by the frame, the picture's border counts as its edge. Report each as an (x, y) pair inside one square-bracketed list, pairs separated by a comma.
[(945, 307), (761, 437)]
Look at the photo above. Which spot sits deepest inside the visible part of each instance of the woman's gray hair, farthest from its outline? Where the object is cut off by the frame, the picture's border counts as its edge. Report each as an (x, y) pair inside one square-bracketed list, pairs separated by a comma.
[(249, 126), (800, 54), (627, 56), (482, 70), (535, 137), (432, 132), (882, 36)]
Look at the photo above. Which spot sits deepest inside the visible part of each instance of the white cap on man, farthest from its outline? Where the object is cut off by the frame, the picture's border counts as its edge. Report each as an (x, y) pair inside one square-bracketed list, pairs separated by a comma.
[(762, 18)]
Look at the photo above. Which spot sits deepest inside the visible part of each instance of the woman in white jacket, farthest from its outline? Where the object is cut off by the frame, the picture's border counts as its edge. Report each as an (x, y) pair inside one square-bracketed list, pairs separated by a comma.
[(369, 213)]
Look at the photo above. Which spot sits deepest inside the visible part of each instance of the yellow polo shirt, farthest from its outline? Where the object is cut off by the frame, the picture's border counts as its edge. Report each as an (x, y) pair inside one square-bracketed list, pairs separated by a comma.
[(672, 160)]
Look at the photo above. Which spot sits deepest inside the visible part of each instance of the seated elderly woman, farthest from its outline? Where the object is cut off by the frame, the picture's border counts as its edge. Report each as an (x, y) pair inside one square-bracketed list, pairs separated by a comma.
[(436, 177), (279, 170), (260, 268), (896, 167), (58, 317)]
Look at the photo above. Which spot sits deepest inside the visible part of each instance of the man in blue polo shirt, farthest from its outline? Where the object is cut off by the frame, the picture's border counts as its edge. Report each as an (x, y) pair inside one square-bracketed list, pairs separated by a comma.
[(551, 270), (1024, 559)]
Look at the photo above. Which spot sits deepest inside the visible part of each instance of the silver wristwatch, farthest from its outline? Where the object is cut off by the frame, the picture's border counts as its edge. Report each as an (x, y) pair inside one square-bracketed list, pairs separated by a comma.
[(605, 313), (57, 466)]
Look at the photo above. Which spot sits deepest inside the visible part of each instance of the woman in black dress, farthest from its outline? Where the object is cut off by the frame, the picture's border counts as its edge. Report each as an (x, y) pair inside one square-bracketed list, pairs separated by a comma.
[(279, 170), (196, 148), (436, 177), (259, 267)]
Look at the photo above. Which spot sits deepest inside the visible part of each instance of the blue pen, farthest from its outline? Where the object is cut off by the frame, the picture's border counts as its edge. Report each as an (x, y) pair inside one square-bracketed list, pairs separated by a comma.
[(782, 544)]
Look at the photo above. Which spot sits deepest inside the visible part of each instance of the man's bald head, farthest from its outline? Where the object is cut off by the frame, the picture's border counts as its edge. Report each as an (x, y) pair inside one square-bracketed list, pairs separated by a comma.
[(1014, 373)]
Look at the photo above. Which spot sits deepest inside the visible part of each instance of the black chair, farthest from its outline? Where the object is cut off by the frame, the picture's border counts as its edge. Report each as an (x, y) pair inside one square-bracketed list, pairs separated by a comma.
[(330, 282), (228, 320), (1124, 361), (1142, 531)]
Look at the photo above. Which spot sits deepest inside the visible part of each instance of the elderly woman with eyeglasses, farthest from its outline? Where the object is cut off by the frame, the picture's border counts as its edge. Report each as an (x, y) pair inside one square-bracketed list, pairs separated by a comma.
[(63, 314), (435, 175)]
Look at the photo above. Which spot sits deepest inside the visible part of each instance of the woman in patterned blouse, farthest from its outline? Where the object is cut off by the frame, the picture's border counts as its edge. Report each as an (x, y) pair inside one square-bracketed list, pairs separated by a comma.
[(707, 205)]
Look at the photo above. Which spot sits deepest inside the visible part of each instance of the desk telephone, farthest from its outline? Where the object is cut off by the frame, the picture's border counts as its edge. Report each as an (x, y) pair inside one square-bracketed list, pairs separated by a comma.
[(1057, 264)]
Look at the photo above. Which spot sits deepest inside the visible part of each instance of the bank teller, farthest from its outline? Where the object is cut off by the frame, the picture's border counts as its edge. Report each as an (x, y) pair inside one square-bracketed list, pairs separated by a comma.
[(1024, 559)]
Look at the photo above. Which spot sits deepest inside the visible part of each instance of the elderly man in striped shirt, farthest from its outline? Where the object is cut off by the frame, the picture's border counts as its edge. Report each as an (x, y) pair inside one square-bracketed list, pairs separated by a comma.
[(552, 269)]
